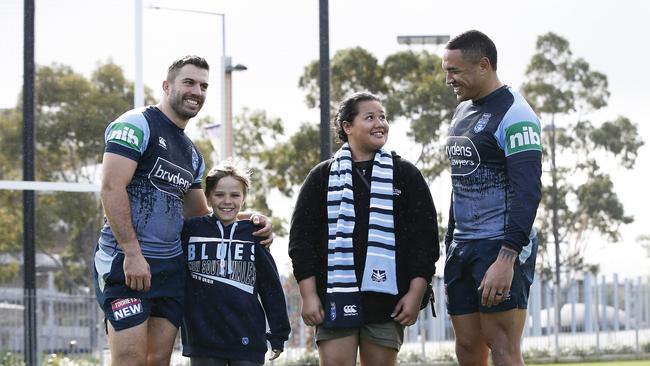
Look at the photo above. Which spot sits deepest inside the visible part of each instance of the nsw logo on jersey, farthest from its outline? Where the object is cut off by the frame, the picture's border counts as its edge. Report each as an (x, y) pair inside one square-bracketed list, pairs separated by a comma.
[(523, 136), (482, 122), (463, 155), (127, 135), (170, 178)]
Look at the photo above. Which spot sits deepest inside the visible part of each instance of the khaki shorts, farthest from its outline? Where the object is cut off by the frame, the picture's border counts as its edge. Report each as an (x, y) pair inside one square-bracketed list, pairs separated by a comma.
[(389, 334)]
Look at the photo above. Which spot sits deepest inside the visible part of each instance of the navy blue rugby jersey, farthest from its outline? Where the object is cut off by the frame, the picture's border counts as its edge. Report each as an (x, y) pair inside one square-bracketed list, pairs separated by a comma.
[(168, 166), (494, 146)]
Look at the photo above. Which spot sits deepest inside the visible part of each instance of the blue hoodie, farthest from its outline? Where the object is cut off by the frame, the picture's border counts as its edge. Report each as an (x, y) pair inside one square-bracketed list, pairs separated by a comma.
[(227, 270)]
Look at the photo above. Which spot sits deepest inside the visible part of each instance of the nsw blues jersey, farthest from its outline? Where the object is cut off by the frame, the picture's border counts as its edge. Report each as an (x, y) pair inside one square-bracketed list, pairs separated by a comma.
[(168, 166), (494, 146)]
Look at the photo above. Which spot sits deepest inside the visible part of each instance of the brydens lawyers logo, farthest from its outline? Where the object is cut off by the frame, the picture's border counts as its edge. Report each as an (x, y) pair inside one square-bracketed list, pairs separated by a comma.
[(124, 308), (170, 178)]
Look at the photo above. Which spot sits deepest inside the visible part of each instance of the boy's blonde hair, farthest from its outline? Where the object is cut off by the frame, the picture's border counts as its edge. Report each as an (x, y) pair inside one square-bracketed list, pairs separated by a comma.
[(227, 168)]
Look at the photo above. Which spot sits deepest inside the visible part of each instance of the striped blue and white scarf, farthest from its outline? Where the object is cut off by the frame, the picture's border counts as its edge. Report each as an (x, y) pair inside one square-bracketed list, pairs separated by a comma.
[(343, 300)]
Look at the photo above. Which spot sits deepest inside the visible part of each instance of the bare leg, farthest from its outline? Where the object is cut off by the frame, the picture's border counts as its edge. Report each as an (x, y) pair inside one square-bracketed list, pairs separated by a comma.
[(471, 347), (375, 355), (128, 346), (502, 332), (339, 352), (162, 334)]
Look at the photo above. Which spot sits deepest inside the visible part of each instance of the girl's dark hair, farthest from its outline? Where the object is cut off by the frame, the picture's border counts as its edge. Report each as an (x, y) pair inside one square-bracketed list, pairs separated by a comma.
[(348, 110), (226, 168)]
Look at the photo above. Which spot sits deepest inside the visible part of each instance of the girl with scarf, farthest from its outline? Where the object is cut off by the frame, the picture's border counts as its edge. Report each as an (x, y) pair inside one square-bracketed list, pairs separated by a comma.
[(363, 242)]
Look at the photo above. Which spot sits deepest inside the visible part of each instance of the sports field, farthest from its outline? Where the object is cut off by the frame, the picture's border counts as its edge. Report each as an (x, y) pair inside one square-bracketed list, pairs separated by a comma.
[(610, 363)]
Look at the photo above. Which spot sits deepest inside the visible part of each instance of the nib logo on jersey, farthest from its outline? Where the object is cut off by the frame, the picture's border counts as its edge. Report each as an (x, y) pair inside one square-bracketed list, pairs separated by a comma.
[(463, 155), (523, 136), (170, 178), (126, 134)]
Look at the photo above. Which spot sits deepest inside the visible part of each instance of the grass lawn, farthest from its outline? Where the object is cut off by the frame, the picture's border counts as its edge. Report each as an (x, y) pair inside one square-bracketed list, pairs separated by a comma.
[(609, 363)]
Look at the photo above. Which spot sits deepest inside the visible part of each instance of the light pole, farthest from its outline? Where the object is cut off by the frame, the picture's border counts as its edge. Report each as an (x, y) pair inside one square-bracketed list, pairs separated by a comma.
[(223, 136), (138, 87), (228, 127)]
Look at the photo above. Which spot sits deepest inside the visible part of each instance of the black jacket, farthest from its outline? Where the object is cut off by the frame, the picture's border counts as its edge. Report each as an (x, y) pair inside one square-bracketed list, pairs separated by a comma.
[(224, 317), (416, 232)]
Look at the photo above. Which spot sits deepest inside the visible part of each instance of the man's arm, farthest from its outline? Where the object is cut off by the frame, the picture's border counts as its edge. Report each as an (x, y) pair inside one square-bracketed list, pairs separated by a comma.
[(117, 172), (195, 203)]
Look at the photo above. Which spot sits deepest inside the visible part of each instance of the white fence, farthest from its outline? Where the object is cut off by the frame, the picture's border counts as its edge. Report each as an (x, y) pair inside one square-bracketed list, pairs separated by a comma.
[(598, 316)]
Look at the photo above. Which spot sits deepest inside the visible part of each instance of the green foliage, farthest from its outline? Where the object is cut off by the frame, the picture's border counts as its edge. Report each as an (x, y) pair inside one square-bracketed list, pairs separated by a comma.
[(561, 87), (71, 114), (292, 160), (418, 93), (255, 135), (352, 70), (412, 86)]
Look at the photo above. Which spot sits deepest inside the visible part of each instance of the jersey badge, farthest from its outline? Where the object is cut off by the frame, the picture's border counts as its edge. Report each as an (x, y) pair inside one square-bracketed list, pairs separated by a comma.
[(127, 135), (162, 143), (124, 308), (523, 136), (482, 122), (378, 275)]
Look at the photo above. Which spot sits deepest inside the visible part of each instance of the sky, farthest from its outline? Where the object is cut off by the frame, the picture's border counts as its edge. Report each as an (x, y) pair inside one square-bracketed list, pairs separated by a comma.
[(276, 39)]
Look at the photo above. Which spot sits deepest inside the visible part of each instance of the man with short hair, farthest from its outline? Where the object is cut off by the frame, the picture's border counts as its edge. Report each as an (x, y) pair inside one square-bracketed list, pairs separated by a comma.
[(151, 180), (494, 146)]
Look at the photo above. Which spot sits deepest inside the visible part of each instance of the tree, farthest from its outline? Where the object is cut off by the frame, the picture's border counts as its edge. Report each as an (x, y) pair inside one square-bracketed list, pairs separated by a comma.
[(581, 195), (412, 86), (255, 136), (72, 112)]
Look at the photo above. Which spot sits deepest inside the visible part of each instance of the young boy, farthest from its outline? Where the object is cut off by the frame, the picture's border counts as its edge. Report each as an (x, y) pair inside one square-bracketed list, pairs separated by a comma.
[(224, 322)]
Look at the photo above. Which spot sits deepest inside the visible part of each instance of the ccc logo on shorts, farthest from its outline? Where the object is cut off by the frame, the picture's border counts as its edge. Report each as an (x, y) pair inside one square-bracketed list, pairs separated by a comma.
[(350, 310)]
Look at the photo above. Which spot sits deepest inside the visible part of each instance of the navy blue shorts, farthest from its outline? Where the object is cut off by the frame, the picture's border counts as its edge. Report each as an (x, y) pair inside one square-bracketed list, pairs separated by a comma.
[(126, 308), (465, 267)]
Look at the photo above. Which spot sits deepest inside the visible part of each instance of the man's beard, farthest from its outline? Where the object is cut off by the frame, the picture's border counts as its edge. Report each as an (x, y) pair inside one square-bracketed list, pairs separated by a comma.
[(177, 104)]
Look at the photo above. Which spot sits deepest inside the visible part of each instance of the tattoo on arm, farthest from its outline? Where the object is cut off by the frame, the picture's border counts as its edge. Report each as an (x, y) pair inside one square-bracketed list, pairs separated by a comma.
[(507, 254)]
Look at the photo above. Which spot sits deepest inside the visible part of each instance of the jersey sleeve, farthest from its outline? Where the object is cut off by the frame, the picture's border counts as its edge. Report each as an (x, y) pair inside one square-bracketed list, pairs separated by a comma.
[(520, 137), (199, 167), (128, 135)]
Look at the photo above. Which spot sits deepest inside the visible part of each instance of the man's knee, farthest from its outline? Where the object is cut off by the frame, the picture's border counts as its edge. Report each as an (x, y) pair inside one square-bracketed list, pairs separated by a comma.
[(128, 356), (158, 357), (506, 354)]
